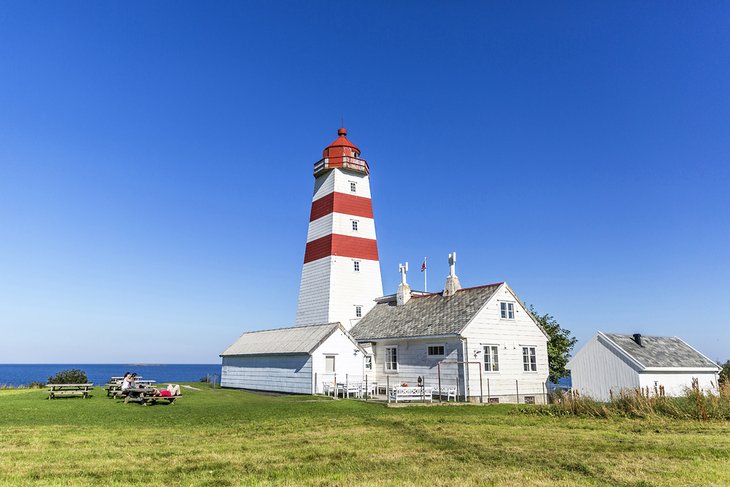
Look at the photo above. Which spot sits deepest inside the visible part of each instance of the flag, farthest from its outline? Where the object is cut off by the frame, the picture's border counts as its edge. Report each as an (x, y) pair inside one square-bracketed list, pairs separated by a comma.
[(423, 266)]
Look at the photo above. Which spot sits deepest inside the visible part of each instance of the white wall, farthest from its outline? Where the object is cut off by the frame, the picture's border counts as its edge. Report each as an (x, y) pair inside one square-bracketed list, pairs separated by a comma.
[(676, 383), (349, 288), (278, 373), (314, 288), (339, 180), (488, 328), (413, 361), (596, 371), (341, 224), (348, 364)]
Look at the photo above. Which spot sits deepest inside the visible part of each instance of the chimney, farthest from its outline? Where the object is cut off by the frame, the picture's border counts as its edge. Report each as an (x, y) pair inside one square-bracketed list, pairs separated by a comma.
[(404, 290), (637, 339), (452, 282)]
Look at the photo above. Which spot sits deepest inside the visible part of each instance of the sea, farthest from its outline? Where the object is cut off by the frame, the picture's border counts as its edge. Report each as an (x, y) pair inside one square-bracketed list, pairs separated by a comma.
[(99, 374)]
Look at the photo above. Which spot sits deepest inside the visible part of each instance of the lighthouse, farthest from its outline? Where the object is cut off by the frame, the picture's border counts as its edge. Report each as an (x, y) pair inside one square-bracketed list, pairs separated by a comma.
[(341, 271)]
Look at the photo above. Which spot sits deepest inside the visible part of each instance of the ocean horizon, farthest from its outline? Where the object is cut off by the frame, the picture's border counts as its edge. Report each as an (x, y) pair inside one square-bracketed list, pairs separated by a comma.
[(99, 374)]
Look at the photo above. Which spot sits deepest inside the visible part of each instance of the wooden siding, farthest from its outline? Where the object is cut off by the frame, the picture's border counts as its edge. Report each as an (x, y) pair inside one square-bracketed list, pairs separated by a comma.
[(349, 366), (413, 361), (511, 383), (596, 371), (314, 290), (676, 383), (277, 373)]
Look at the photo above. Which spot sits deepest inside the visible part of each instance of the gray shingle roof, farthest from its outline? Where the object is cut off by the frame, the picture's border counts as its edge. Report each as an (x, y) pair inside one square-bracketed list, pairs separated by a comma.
[(660, 351), (299, 339), (427, 315)]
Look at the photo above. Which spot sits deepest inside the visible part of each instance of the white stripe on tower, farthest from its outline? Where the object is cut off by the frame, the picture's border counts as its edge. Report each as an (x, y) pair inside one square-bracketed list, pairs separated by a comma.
[(341, 272)]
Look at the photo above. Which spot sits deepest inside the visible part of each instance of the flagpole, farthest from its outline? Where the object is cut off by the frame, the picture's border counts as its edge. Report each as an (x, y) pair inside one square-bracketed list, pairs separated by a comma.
[(424, 269)]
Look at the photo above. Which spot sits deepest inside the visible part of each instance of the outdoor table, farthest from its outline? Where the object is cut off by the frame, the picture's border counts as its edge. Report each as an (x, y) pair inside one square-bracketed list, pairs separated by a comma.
[(83, 390)]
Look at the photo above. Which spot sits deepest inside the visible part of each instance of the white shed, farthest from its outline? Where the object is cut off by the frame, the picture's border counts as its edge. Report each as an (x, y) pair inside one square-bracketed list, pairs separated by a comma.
[(291, 359), (611, 362)]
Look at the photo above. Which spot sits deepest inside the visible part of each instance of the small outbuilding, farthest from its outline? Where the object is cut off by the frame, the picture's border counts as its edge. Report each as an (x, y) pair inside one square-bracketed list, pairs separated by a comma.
[(610, 363), (290, 359)]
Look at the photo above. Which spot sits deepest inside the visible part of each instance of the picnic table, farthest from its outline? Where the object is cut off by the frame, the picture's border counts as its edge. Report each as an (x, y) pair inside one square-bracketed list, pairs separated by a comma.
[(114, 387), (57, 390), (147, 395)]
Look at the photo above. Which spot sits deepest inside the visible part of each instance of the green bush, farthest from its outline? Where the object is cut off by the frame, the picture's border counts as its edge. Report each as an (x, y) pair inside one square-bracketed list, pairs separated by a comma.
[(70, 376), (36, 385)]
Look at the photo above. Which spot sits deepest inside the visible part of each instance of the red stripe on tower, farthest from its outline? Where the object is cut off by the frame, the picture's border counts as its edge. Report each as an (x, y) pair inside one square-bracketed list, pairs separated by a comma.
[(341, 245), (341, 203)]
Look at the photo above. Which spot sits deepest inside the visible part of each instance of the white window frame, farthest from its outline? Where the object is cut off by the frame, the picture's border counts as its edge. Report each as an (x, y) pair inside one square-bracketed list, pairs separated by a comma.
[(355, 266), (355, 225), (358, 311), (368, 362), (490, 353), (507, 310), (353, 187), (387, 362), (529, 361), (433, 345), (334, 364)]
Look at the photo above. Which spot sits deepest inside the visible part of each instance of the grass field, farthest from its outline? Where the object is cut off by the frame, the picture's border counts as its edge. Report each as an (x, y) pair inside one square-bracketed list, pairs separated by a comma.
[(226, 437)]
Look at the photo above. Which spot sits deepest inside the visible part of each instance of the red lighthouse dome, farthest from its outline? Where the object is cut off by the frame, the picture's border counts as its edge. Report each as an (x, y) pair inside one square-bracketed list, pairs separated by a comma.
[(341, 153)]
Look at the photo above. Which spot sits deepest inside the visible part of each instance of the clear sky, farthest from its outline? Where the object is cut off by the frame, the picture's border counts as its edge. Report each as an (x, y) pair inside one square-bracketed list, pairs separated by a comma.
[(156, 163)]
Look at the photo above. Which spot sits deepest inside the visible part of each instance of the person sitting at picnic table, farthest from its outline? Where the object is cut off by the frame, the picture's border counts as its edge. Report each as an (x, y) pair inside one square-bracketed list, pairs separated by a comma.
[(172, 390), (127, 381)]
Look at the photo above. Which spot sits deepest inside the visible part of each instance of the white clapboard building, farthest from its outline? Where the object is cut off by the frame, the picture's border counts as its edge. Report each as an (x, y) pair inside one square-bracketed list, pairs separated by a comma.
[(289, 359), (481, 341), (611, 362)]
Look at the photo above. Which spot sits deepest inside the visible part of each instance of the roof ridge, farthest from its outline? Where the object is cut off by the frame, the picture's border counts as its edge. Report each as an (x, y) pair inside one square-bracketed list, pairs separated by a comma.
[(292, 327), (480, 287)]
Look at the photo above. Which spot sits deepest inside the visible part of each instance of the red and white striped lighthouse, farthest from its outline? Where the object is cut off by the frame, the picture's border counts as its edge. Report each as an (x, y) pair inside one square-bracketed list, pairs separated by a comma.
[(341, 273)]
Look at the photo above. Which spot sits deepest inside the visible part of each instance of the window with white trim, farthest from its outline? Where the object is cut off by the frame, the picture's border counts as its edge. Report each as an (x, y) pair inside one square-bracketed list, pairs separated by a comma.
[(435, 350), (507, 310), (391, 359), (368, 362), (329, 364), (356, 265), (353, 187), (358, 311), (491, 358), (354, 225), (529, 359)]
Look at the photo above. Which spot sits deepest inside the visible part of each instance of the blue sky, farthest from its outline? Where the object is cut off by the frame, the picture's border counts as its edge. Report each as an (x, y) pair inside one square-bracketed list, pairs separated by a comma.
[(156, 158)]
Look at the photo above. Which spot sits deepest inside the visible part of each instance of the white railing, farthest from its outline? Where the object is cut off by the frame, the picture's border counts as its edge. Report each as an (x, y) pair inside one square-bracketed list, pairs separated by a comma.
[(345, 162)]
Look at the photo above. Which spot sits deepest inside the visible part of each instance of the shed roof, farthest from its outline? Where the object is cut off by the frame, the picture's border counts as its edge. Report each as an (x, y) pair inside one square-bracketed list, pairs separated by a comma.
[(660, 352), (280, 341), (424, 315)]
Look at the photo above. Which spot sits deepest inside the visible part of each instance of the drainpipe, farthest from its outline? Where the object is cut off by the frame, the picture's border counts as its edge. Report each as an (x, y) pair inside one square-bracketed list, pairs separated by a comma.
[(464, 350)]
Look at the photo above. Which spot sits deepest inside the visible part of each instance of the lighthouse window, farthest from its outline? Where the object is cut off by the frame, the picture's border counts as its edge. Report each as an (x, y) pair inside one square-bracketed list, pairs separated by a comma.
[(358, 311), (353, 187), (356, 265), (354, 225)]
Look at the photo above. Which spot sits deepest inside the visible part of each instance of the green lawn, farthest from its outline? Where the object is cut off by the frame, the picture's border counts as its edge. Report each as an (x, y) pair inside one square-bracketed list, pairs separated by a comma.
[(226, 437)]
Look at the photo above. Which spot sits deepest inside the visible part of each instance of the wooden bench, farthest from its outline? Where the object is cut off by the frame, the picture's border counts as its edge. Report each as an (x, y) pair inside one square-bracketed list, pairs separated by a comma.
[(448, 391), (59, 390), (401, 393)]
